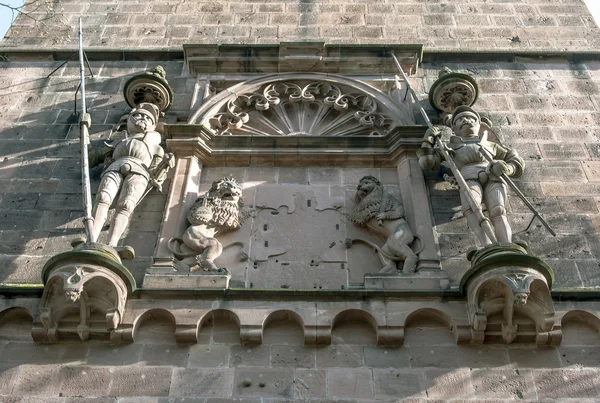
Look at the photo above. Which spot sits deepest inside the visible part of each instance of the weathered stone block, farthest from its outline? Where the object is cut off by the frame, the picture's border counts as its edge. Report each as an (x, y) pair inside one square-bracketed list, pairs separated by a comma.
[(564, 151), (104, 354), (264, 382), (293, 356), (452, 384), (384, 357), (482, 357), (584, 356), (141, 381), (310, 384), (339, 356), (534, 357), (31, 353), (214, 355), (201, 382), (164, 354), (433, 356), (563, 383), (38, 380), (249, 356), (350, 383), (398, 384), (85, 381), (8, 373), (503, 384)]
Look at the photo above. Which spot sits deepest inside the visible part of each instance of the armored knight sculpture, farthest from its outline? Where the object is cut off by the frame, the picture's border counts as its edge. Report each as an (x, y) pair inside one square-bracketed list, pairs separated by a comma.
[(133, 167), (470, 153)]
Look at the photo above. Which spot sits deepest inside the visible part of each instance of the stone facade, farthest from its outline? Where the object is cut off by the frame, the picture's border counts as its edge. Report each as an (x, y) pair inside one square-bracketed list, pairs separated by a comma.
[(299, 315)]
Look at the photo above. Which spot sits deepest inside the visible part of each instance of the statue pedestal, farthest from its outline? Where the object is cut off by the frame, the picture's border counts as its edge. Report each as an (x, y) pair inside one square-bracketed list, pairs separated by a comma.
[(508, 292), (163, 279), (423, 280), (85, 292)]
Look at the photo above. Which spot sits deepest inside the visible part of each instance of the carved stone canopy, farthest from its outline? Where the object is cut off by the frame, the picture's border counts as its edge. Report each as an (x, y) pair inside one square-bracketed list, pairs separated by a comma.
[(297, 118), (300, 105), (509, 297), (85, 292)]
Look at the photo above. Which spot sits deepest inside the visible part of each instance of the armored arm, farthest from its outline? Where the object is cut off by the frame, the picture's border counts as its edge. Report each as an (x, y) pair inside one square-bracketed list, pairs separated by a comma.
[(429, 158), (159, 168), (506, 161)]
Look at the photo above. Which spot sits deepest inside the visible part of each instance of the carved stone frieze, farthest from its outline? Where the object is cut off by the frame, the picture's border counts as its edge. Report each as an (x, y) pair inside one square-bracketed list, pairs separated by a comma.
[(509, 297), (85, 292), (297, 108)]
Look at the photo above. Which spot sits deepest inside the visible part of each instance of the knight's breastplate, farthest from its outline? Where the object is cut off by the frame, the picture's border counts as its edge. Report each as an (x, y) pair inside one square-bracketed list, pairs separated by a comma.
[(468, 160), (133, 149)]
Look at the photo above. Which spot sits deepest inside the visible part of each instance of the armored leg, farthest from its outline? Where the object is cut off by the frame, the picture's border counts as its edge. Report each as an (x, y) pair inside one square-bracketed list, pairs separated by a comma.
[(472, 220), (134, 186), (495, 200), (109, 187)]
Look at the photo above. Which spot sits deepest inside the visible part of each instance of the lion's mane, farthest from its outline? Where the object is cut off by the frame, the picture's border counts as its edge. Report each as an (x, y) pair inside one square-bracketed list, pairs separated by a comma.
[(370, 206), (211, 210)]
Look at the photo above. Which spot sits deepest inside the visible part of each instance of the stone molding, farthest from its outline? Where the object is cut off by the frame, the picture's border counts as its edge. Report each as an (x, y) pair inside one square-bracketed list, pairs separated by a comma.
[(387, 318), (300, 56)]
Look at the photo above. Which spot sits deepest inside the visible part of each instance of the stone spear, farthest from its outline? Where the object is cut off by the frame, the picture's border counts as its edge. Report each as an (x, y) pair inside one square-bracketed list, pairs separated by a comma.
[(84, 139), (475, 206)]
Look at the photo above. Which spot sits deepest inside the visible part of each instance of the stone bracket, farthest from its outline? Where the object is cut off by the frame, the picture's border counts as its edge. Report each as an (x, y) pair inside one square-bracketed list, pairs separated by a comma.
[(85, 292), (508, 292)]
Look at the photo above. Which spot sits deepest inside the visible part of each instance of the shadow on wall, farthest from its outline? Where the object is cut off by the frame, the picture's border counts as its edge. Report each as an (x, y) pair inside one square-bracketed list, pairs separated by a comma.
[(40, 172)]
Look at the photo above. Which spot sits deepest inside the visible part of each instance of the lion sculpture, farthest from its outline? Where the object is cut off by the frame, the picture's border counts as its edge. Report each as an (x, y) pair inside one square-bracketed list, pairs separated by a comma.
[(383, 214), (218, 211)]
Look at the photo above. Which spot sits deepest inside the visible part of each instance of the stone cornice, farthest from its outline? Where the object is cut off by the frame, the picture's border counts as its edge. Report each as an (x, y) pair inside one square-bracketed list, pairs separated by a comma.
[(211, 150), (177, 53)]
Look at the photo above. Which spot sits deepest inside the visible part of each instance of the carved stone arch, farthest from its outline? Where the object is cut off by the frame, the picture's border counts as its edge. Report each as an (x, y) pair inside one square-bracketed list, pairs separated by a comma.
[(359, 316), (300, 104), (15, 323), (459, 331), (217, 317), (580, 327), (284, 315), (158, 314)]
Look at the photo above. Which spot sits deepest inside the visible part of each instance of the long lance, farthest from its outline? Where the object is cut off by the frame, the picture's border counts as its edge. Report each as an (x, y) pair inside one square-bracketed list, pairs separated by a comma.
[(475, 205), (505, 179), (84, 139)]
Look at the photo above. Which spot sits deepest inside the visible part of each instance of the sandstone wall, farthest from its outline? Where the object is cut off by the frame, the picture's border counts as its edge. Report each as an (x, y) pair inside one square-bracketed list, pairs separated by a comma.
[(466, 25), (548, 109), (429, 367), (548, 112)]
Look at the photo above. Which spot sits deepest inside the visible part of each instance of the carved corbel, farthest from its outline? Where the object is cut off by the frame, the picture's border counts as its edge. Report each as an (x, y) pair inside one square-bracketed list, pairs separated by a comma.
[(186, 334), (85, 293), (390, 335), (508, 295)]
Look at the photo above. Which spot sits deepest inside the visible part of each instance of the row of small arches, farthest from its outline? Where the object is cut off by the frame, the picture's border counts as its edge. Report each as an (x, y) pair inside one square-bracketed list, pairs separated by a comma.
[(352, 326)]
